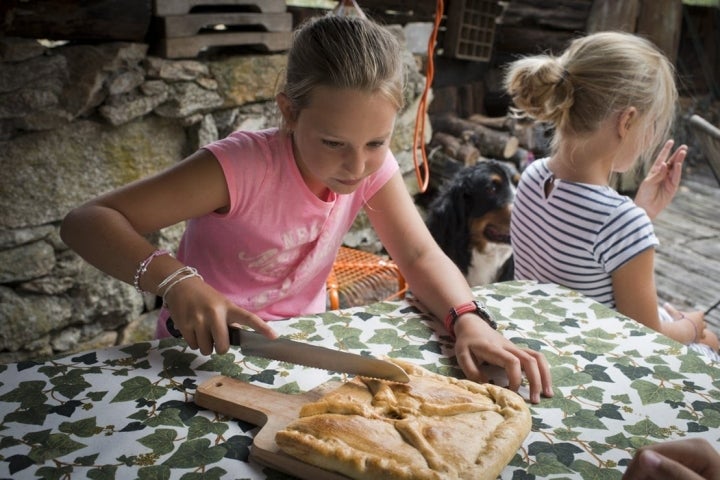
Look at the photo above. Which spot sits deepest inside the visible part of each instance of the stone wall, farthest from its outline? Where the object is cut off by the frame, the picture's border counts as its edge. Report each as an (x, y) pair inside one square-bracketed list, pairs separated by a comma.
[(79, 120)]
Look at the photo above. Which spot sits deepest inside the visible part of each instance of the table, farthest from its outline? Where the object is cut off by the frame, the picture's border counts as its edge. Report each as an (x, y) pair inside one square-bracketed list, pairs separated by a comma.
[(127, 412)]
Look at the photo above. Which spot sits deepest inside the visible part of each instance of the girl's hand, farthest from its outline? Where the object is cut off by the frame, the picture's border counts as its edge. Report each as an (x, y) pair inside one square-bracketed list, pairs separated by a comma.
[(478, 343), (686, 459), (695, 319), (202, 315), (662, 181)]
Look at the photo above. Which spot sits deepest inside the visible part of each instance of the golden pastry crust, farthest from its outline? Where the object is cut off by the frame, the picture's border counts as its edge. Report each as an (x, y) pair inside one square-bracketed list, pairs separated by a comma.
[(433, 427)]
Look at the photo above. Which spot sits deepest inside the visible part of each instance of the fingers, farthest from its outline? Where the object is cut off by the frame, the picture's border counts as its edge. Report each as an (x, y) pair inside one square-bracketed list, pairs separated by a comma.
[(674, 312), (650, 465), (537, 371), (469, 366), (513, 360), (687, 459), (664, 154)]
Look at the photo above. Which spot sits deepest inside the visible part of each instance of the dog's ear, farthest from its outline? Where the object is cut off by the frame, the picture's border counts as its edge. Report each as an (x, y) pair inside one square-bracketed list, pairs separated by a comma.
[(449, 223)]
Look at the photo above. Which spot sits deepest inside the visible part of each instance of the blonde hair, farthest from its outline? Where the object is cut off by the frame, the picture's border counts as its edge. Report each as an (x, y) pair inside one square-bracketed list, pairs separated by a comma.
[(343, 52), (597, 76)]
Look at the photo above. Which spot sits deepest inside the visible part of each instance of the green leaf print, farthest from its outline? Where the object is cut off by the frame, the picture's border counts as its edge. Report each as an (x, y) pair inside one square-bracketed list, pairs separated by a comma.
[(139, 388), (589, 471), (565, 377), (651, 392), (161, 441), (195, 453), (86, 427), (584, 419), (105, 472), (648, 429), (56, 445), (29, 394)]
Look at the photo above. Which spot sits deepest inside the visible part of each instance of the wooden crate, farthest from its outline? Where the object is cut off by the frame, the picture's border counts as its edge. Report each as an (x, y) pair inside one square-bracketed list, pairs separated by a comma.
[(187, 27), (470, 29), (163, 8)]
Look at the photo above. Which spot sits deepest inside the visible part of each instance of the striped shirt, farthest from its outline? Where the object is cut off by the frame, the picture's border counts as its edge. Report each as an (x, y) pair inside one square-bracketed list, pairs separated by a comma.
[(577, 235)]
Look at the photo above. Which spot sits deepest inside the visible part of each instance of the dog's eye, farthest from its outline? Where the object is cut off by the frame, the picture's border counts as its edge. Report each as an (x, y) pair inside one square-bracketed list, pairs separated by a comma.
[(494, 186)]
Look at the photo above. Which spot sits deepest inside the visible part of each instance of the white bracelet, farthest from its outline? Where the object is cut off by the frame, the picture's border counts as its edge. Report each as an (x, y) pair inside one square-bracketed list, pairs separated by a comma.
[(190, 275), (172, 276)]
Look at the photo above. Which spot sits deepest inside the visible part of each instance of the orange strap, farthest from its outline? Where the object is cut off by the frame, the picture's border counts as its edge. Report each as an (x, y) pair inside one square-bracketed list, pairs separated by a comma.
[(422, 172)]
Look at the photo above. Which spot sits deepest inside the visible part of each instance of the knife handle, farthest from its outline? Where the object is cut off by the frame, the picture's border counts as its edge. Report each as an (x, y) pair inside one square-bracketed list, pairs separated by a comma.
[(171, 328)]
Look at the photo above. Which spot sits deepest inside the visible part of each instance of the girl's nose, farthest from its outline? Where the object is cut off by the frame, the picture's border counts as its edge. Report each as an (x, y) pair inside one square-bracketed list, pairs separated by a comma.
[(354, 162)]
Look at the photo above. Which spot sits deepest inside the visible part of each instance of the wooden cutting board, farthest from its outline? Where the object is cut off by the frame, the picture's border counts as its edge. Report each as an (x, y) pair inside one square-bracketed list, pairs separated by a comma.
[(270, 410)]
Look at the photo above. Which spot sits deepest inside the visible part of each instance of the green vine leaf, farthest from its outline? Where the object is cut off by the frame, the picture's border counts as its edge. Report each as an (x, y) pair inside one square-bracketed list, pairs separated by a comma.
[(648, 429), (565, 377), (584, 419), (223, 365), (588, 471), (176, 363), (71, 384), (214, 473), (86, 427), (607, 410), (137, 388), (195, 453), (161, 441), (167, 416), (104, 472), (655, 393), (547, 464), (56, 445), (154, 472), (87, 460), (387, 336), (29, 394)]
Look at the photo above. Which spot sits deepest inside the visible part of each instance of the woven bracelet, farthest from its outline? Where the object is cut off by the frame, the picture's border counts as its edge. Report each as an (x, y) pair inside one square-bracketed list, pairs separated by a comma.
[(474, 306)]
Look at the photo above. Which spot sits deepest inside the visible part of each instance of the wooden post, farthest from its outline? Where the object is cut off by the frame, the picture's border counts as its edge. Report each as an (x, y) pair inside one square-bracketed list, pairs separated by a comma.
[(613, 15), (658, 20), (661, 22)]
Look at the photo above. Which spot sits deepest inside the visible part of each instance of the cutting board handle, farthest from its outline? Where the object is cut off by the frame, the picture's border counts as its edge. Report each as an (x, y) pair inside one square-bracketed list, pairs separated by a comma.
[(271, 411), (248, 402)]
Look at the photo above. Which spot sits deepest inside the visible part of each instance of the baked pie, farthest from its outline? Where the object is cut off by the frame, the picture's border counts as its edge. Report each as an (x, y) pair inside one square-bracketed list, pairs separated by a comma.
[(434, 427)]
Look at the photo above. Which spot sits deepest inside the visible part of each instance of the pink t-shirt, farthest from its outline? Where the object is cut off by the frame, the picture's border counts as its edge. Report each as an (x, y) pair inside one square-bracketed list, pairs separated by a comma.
[(272, 252)]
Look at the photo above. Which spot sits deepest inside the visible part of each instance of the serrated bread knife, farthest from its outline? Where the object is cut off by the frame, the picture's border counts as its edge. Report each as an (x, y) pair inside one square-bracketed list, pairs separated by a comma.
[(300, 353)]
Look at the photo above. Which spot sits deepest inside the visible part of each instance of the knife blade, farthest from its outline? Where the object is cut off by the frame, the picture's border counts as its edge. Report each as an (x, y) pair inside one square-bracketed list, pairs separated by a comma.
[(286, 350), (301, 353)]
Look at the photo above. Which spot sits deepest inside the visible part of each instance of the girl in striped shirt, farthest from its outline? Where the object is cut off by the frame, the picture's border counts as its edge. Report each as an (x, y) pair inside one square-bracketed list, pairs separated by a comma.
[(610, 99)]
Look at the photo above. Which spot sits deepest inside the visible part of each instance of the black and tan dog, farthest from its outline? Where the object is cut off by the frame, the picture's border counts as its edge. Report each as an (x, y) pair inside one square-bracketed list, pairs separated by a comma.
[(470, 220)]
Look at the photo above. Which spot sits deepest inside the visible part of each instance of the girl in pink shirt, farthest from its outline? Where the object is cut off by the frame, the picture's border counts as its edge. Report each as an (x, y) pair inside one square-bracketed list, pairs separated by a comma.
[(267, 210)]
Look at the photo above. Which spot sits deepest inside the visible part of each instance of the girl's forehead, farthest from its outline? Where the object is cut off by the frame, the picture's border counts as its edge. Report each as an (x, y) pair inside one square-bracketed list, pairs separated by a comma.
[(330, 106)]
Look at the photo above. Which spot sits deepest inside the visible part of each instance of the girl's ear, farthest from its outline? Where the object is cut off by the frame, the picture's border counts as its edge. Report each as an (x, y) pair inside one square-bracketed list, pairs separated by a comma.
[(627, 119), (287, 110)]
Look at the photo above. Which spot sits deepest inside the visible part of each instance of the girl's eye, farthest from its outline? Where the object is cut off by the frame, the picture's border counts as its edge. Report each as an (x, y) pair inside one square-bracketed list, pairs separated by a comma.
[(376, 144), (332, 144)]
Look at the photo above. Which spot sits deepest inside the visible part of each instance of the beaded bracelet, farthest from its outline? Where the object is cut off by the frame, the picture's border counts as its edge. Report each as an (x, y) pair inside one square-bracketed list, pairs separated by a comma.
[(142, 268), (474, 306)]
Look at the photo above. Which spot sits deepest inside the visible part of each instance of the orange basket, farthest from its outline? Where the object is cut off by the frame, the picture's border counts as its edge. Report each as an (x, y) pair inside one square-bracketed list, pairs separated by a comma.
[(361, 278)]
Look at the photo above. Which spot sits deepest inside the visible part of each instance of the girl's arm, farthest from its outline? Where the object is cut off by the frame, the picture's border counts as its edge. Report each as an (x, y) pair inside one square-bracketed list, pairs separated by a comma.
[(108, 232), (636, 297), (439, 285)]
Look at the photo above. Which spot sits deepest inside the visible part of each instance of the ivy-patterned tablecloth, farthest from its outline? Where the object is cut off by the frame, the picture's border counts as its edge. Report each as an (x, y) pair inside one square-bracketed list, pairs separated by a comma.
[(128, 412)]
